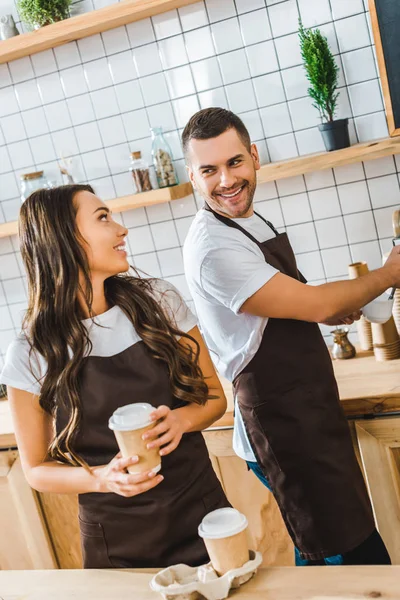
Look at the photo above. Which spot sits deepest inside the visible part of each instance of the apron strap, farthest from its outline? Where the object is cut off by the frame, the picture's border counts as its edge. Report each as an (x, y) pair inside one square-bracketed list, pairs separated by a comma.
[(235, 225)]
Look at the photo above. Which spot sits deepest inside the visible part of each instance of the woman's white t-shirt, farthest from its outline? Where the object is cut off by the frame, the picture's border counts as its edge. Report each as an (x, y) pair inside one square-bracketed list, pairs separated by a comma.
[(25, 371)]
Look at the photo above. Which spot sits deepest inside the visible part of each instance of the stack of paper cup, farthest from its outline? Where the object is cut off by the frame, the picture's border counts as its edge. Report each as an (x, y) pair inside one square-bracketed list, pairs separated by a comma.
[(225, 537), (363, 326), (396, 303), (386, 340), (129, 423), (396, 310)]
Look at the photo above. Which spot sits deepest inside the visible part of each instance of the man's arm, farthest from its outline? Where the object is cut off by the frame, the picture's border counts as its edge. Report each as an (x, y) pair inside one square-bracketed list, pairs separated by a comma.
[(283, 297)]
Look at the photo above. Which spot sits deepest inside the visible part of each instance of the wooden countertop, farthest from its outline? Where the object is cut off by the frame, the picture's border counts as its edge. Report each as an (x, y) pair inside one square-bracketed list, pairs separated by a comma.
[(365, 387), (276, 583)]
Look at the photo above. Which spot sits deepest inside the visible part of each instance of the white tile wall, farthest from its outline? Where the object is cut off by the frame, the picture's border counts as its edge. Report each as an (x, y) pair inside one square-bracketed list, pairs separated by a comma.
[(95, 100)]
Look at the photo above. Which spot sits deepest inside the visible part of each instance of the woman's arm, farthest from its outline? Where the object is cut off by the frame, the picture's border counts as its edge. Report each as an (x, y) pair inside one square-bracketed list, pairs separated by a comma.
[(193, 417), (34, 431), (200, 417)]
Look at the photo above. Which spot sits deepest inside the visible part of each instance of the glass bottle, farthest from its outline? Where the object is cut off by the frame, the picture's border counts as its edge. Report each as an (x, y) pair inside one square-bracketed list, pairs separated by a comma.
[(140, 173), (30, 182), (162, 159)]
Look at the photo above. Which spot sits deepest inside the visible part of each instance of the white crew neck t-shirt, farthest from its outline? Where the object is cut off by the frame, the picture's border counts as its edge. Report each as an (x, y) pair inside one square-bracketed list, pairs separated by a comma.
[(223, 269), (115, 335)]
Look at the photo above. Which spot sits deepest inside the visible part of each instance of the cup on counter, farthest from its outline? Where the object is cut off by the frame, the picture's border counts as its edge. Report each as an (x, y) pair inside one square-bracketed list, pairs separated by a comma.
[(224, 534), (379, 310), (129, 423)]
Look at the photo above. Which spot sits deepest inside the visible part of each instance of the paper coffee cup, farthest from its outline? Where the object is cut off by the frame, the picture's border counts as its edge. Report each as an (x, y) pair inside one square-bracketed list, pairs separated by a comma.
[(129, 423), (224, 534)]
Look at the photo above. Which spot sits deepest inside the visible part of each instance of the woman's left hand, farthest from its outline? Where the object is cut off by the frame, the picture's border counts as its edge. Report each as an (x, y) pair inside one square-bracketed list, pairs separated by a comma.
[(168, 431)]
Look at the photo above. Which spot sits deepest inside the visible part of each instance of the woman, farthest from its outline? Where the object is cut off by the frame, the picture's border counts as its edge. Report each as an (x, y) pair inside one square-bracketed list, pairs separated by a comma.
[(95, 339)]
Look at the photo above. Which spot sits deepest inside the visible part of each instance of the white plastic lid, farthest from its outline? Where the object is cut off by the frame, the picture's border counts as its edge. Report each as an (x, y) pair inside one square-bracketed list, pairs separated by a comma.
[(222, 523), (131, 416)]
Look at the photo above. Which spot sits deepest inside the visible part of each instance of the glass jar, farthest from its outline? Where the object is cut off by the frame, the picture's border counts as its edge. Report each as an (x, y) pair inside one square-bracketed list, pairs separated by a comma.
[(30, 182), (140, 173), (162, 159)]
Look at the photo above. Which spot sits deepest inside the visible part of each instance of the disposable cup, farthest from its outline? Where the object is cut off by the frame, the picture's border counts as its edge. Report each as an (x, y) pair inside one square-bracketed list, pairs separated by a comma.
[(129, 423), (224, 534)]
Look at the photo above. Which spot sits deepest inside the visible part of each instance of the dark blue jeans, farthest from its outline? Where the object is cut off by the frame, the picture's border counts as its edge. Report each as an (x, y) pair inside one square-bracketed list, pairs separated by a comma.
[(300, 562)]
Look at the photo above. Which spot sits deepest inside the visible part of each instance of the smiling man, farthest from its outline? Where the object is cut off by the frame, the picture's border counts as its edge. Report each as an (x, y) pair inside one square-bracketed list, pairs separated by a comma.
[(260, 322)]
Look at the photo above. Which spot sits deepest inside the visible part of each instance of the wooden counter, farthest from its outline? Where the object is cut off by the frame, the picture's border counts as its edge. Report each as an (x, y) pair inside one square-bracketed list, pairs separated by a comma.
[(284, 583), (366, 387)]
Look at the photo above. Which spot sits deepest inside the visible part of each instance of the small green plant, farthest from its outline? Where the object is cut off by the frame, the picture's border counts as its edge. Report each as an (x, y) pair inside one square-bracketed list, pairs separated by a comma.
[(42, 12), (321, 71)]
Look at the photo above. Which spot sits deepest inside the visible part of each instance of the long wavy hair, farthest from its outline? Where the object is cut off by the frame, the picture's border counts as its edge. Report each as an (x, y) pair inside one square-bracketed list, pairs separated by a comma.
[(57, 271)]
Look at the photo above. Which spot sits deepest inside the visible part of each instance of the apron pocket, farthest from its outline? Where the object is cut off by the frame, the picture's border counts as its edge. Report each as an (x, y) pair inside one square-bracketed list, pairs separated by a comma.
[(94, 546)]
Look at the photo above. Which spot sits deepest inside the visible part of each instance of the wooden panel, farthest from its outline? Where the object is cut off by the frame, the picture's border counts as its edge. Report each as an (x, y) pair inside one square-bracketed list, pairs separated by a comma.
[(267, 531), (31, 520), (126, 202), (15, 553), (24, 542), (382, 68), (61, 515), (379, 442), (84, 25)]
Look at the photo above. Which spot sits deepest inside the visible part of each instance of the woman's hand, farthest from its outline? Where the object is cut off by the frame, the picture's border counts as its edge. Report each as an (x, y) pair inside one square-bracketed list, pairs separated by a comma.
[(114, 478), (168, 432)]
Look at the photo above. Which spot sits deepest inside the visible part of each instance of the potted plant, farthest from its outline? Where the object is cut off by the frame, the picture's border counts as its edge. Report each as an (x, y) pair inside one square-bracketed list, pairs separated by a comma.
[(322, 74), (38, 13)]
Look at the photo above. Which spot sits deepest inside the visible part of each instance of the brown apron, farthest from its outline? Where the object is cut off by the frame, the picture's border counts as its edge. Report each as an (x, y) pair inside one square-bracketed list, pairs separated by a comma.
[(289, 402), (157, 528)]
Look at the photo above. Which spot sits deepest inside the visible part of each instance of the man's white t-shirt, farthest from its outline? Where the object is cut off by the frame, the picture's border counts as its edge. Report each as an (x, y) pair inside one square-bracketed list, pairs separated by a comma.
[(26, 371), (223, 269)]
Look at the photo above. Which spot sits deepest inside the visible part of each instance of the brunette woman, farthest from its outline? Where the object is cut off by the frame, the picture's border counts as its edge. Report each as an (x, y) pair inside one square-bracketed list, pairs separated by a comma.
[(96, 338)]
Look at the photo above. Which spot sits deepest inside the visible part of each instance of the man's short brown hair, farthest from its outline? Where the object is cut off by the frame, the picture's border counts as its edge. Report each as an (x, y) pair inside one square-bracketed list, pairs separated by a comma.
[(211, 122)]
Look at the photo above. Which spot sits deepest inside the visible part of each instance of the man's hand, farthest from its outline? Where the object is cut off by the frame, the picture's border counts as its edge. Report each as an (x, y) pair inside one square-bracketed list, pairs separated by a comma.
[(349, 320)]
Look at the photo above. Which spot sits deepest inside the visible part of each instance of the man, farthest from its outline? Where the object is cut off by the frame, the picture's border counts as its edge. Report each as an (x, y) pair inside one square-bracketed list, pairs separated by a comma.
[(259, 320)]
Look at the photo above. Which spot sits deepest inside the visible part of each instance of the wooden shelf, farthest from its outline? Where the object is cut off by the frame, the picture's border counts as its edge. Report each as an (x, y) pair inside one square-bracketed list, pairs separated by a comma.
[(269, 172), (328, 160), (7, 229), (84, 25), (125, 203)]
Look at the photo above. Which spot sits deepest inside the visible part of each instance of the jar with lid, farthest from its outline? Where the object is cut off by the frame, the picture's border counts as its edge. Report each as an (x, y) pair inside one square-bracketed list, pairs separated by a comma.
[(162, 159), (30, 182), (140, 173)]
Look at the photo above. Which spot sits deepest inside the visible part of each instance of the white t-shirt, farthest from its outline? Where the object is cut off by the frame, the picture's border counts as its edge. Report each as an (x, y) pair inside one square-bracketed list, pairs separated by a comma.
[(223, 269), (116, 335)]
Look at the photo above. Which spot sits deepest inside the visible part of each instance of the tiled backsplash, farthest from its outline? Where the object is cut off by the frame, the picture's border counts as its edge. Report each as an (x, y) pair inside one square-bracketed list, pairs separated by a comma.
[(96, 99)]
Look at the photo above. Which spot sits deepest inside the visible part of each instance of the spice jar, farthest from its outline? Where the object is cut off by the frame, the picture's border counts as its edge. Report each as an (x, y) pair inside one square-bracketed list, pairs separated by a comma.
[(140, 173), (30, 182), (162, 159)]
